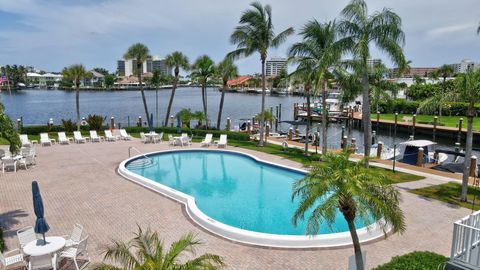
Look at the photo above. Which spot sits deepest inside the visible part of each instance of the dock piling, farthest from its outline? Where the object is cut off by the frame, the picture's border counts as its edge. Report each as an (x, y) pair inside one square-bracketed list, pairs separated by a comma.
[(379, 150), (112, 122), (473, 166), (420, 157), (459, 136), (414, 121), (434, 132)]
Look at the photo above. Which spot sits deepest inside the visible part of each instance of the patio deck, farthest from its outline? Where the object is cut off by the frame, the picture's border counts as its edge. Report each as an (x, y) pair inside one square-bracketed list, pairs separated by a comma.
[(79, 184)]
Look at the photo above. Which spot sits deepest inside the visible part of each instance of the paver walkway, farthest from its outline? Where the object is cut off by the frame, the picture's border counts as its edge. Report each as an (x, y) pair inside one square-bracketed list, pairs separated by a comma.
[(79, 183)]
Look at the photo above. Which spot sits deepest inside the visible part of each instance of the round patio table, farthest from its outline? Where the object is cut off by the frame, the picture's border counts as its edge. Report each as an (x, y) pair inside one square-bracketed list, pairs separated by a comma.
[(38, 248)]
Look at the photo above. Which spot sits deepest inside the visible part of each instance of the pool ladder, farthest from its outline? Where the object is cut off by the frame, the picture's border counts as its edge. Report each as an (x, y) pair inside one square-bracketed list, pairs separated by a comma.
[(139, 163)]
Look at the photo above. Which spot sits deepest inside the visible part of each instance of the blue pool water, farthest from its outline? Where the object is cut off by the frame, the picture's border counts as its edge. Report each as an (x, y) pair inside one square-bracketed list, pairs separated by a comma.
[(234, 189)]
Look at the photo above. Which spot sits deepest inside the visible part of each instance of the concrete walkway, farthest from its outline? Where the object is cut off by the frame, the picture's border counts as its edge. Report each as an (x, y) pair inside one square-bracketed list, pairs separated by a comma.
[(79, 184)]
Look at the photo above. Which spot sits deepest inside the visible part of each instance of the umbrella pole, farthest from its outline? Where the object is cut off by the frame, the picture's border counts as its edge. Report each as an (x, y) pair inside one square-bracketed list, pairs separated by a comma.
[(44, 241)]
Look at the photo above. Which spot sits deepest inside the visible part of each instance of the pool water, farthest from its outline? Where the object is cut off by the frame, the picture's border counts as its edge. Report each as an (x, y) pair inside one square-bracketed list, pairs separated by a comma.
[(234, 189)]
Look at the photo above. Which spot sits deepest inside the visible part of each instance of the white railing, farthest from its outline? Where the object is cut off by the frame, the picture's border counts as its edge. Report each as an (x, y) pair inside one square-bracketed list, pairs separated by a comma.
[(466, 242)]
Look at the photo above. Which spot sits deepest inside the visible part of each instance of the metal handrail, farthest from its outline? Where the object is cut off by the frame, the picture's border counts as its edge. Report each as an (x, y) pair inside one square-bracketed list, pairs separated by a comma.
[(138, 151)]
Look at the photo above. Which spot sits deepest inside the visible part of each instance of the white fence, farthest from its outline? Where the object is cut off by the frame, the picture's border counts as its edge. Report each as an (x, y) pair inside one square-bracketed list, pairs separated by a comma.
[(466, 242)]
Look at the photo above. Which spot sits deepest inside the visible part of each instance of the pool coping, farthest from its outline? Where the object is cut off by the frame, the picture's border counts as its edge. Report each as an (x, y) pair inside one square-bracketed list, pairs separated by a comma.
[(331, 240)]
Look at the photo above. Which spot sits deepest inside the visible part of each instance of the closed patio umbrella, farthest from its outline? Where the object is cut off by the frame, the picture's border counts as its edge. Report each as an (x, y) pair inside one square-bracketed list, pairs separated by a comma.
[(41, 225)]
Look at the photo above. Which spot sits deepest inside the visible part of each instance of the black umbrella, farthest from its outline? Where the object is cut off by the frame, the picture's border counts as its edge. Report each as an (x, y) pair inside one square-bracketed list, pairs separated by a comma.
[(41, 225)]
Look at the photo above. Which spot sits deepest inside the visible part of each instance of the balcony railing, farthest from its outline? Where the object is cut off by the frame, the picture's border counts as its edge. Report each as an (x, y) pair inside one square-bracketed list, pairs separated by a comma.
[(466, 242)]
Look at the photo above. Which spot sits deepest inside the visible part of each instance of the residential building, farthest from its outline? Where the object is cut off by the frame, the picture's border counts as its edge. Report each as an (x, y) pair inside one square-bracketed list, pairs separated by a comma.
[(463, 66), (128, 67), (373, 62), (412, 72), (275, 65), (96, 80), (44, 80)]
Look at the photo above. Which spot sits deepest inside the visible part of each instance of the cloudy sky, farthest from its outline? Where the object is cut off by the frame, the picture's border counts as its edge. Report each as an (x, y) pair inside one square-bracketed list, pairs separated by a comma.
[(50, 34)]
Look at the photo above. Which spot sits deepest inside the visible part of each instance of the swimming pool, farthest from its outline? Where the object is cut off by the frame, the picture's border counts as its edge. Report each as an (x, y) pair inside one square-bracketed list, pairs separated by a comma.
[(229, 192)]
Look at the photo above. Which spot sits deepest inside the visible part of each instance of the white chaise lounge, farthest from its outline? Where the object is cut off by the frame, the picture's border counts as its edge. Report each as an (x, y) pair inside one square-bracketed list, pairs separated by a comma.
[(94, 136), (63, 139), (45, 140), (124, 135), (78, 138), (208, 140), (222, 143)]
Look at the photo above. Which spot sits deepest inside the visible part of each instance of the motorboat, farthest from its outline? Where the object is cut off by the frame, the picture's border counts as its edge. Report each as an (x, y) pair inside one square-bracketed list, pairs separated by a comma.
[(410, 153)]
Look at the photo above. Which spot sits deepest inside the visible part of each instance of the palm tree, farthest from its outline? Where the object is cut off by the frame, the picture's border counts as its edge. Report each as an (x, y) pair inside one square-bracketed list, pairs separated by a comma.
[(382, 29), (468, 87), (440, 98), (202, 70), (358, 193), (176, 60), (140, 54), (76, 73), (320, 50), (255, 34), (147, 251), (379, 86), (225, 70)]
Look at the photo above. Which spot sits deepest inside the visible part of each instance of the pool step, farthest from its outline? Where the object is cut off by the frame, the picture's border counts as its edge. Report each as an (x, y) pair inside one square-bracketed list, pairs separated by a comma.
[(141, 163)]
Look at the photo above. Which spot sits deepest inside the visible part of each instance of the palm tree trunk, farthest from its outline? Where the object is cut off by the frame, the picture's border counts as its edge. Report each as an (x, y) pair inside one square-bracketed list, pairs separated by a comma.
[(77, 102), (309, 115), (262, 116), (204, 101), (170, 102), (144, 99), (468, 152), (324, 118), (367, 123), (220, 109), (356, 245)]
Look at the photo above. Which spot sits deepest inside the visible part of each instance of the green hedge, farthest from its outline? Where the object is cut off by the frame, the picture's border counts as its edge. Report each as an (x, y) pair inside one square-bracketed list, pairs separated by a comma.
[(239, 136), (2, 242), (409, 107), (36, 130), (415, 260)]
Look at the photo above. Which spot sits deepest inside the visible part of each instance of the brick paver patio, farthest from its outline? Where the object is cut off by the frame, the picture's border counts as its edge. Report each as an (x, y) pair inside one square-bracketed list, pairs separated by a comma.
[(79, 184)]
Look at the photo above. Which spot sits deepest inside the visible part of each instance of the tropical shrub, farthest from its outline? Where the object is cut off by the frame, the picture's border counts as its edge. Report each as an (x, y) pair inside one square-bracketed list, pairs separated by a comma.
[(410, 107), (95, 122), (8, 131), (415, 260), (68, 125), (2, 242)]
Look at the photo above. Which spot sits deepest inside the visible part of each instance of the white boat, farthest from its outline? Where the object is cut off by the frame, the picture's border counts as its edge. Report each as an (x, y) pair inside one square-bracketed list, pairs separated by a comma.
[(410, 154)]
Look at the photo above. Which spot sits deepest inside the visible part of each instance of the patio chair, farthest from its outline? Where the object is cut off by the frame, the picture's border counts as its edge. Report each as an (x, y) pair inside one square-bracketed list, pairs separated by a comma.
[(78, 138), (94, 136), (124, 135), (185, 140), (74, 238), (207, 141), (26, 235), (73, 253), (171, 140), (25, 141), (222, 142), (28, 157), (143, 138), (45, 140), (12, 259), (8, 162), (2, 153), (43, 262), (109, 137), (62, 138)]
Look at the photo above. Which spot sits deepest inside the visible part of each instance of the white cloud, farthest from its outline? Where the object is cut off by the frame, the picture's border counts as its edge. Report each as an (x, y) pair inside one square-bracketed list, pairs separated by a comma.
[(453, 29)]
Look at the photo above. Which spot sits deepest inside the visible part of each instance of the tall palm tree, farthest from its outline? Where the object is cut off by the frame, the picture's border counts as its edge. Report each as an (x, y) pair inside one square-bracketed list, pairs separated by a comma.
[(76, 73), (255, 34), (322, 49), (381, 29), (468, 87), (140, 54), (226, 70), (202, 70), (147, 251), (379, 85), (358, 193), (177, 61), (440, 98)]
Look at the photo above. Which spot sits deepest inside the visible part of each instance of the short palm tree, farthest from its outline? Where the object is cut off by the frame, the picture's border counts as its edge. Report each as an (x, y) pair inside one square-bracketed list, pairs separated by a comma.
[(226, 70), (337, 185), (322, 48), (146, 251), (468, 87), (255, 34), (381, 29), (177, 61), (76, 73), (8, 131), (140, 54), (202, 70)]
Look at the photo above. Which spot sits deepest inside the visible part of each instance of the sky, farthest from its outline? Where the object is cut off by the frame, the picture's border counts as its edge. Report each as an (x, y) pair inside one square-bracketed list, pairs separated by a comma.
[(52, 34)]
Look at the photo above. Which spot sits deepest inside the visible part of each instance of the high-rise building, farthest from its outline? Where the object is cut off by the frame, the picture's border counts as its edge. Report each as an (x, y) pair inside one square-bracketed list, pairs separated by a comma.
[(373, 62), (463, 66), (275, 65), (128, 67)]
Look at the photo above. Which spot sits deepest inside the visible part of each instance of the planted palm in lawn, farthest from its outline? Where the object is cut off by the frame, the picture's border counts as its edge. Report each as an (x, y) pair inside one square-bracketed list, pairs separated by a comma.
[(357, 192)]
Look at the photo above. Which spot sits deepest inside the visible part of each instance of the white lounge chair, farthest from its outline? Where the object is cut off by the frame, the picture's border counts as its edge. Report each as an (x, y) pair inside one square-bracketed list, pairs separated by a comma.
[(223, 141), (26, 235), (25, 141), (94, 136), (124, 135), (73, 253), (207, 141), (143, 138), (78, 138), (43, 262), (74, 238), (45, 140), (28, 159), (63, 139), (12, 259), (109, 137)]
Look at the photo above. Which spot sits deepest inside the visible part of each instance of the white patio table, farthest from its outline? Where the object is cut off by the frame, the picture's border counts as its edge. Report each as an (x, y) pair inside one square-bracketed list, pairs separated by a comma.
[(37, 247)]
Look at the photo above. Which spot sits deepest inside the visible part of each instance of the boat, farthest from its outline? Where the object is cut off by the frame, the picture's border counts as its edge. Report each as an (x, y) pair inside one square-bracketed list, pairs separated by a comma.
[(410, 154), (280, 91)]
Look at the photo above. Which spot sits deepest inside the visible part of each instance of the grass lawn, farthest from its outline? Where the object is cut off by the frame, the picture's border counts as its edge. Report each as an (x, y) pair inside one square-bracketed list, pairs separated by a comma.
[(448, 121), (450, 192)]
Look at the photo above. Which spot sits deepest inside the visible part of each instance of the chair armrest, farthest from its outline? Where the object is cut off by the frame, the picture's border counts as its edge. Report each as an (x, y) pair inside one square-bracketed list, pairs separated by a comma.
[(17, 251)]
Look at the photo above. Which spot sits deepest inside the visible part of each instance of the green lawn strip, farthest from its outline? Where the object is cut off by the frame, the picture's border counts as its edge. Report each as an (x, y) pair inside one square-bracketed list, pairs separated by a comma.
[(448, 121), (397, 177), (450, 193)]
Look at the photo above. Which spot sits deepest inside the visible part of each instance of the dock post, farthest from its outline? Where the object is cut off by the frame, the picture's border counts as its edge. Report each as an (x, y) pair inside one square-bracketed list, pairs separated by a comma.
[(379, 150), (171, 120), (395, 128), (374, 136), (128, 120), (280, 112), (295, 111), (354, 145), (459, 136), (139, 121), (229, 123), (290, 134), (19, 125), (473, 166), (434, 132), (420, 157), (297, 132), (249, 127), (414, 121), (378, 121), (344, 142), (276, 118), (343, 131), (112, 122), (271, 120), (457, 149)]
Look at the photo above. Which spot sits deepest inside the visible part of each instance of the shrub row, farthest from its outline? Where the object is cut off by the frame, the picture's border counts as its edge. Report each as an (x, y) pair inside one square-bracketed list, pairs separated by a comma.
[(2, 242), (410, 107), (35, 130), (415, 260)]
